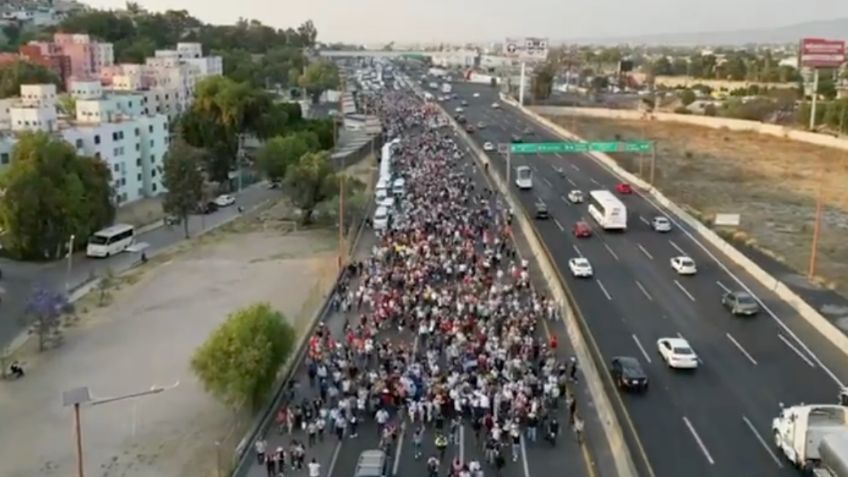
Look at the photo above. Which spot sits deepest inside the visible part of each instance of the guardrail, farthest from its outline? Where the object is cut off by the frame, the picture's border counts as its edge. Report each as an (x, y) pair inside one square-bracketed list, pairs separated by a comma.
[(611, 413)]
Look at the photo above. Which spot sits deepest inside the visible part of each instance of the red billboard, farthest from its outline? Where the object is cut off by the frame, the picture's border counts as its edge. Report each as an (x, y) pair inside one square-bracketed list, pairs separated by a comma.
[(821, 53)]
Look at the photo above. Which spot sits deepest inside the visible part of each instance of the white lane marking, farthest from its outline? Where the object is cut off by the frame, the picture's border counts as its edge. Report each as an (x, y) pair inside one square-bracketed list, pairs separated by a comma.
[(680, 335), (744, 287), (644, 291), (561, 228), (565, 199), (743, 350), (571, 182), (573, 166), (461, 444), (524, 457), (611, 252), (698, 440), (684, 290), (642, 248), (762, 441), (606, 293), (644, 220), (677, 247), (796, 350), (639, 345), (721, 285), (558, 155), (594, 181), (579, 253), (336, 457), (547, 182), (399, 447)]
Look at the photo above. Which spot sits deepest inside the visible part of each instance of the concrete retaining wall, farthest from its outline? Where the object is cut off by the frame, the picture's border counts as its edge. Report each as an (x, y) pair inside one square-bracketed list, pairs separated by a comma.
[(703, 121), (810, 314)]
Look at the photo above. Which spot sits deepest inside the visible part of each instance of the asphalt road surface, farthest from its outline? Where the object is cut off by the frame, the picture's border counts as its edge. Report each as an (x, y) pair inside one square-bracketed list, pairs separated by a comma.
[(338, 458), (715, 421), (19, 278)]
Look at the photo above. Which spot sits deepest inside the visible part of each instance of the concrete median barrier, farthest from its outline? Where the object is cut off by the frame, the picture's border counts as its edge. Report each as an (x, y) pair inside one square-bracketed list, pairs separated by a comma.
[(824, 326)]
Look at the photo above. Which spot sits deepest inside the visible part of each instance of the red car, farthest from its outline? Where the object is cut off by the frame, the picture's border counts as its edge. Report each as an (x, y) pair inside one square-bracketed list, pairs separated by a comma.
[(582, 230), (623, 188)]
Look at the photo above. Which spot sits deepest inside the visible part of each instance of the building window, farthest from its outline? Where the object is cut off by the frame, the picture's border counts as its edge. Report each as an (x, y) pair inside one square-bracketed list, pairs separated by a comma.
[(138, 177), (153, 186), (117, 168), (4, 158), (137, 146), (153, 173), (152, 159), (79, 143), (97, 155), (151, 143), (137, 132), (150, 128), (138, 162), (96, 139)]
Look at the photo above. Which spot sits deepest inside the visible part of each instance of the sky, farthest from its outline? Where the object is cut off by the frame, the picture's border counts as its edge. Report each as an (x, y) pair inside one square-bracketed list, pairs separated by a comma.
[(402, 21)]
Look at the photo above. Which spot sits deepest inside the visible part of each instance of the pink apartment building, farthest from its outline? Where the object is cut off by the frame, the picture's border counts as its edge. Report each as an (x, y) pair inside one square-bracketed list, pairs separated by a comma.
[(86, 58)]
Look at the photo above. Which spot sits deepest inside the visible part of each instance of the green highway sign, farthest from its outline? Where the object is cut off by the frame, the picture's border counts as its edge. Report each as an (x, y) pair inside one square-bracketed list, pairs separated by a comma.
[(567, 147)]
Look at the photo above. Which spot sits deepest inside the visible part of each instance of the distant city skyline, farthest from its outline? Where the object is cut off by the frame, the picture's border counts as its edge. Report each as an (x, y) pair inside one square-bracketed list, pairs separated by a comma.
[(405, 21)]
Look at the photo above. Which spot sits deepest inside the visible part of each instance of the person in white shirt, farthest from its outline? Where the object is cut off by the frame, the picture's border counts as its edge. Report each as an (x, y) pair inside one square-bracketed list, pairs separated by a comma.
[(314, 468)]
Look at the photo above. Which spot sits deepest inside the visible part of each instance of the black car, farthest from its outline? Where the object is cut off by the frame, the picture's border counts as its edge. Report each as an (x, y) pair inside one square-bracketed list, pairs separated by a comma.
[(517, 139), (628, 374), (541, 210), (461, 119), (740, 303), (464, 102), (207, 208)]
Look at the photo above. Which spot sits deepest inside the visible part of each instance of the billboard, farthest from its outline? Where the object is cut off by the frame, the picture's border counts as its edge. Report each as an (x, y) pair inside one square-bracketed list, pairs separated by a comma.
[(528, 48), (821, 53)]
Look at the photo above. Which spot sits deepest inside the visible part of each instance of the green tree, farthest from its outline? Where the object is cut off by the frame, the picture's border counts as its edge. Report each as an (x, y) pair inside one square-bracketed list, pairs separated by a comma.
[(661, 67), (687, 97), (239, 361), (183, 179), (14, 74), (50, 193), (279, 153), (827, 89), (67, 104), (542, 83), (310, 181), (319, 77)]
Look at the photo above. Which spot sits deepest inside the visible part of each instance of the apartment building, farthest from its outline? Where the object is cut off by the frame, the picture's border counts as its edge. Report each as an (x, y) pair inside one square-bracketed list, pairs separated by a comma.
[(111, 126), (74, 56)]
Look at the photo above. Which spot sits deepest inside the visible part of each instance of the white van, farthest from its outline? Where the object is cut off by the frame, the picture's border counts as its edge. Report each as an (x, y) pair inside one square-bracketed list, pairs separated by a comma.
[(382, 190), (111, 240), (399, 187), (381, 218)]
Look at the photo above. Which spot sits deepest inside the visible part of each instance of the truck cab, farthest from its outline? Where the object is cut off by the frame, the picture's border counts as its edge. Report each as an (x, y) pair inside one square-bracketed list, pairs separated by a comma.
[(814, 438)]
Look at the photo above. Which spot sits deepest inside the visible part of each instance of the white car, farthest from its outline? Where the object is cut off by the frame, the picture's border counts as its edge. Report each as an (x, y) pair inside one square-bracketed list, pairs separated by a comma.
[(495, 105), (476, 95), (661, 224), (580, 267), (677, 353), (388, 203), (488, 146), (684, 265), (459, 109), (224, 200), (575, 196)]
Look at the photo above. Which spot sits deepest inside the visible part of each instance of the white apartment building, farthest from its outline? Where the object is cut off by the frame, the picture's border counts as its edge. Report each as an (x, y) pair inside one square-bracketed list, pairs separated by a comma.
[(111, 126)]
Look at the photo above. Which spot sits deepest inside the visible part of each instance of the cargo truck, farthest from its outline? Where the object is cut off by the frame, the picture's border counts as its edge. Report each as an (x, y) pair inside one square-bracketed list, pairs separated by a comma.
[(814, 437)]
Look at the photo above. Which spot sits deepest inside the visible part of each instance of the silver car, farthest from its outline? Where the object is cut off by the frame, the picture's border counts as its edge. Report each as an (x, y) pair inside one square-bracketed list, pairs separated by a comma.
[(661, 224)]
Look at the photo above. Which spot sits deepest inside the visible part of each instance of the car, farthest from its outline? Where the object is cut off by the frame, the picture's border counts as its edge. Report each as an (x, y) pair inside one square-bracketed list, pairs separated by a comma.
[(575, 196), (580, 267), (464, 103), (388, 202), (461, 119), (476, 95), (740, 303), (628, 374), (623, 188), (458, 109), (469, 128), (582, 230), (528, 131), (481, 125), (224, 200), (541, 210), (208, 208), (517, 139), (684, 265), (454, 96), (677, 353), (661, 224), (495, 106), (488, 146)]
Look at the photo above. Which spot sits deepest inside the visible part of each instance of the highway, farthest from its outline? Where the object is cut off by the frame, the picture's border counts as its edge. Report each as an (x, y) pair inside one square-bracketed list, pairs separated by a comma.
[(715, 421)]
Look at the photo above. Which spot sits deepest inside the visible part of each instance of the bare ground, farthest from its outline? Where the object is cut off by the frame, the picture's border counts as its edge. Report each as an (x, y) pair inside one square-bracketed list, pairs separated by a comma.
[(155, 318), (772, 182)]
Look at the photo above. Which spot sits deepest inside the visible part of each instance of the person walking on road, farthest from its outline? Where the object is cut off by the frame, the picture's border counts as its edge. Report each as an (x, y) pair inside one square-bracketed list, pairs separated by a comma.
[(578, 428), (417, 441), (260, 447), (314, 468), (441, 445), (433, 466)]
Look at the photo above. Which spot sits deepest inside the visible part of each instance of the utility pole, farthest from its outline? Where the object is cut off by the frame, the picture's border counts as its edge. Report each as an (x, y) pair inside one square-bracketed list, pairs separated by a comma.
[(341, 181), (811, 272), (239, 157), (70, 263), (815, 97), (508, 165), (653, 161), (521, 85)]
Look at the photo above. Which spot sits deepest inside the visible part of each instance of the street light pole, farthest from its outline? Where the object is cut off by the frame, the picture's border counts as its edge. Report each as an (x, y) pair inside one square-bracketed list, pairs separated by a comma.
[(78, 434), (341, 184), (70, 263), (508, 166), (653, 161)]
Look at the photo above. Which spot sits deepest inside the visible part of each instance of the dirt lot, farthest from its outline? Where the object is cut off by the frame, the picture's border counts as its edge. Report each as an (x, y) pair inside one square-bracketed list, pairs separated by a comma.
[(773, 183), (155, 318)]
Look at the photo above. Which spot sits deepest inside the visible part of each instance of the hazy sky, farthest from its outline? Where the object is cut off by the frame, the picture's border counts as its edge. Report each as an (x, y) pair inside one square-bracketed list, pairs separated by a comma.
[(488, 20)]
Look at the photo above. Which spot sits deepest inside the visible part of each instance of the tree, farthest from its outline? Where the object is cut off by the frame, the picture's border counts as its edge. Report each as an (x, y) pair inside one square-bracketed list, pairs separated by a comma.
[(14, 74), (67, 104), (827, 89), (687, 97), (239, 361), (183, 179), (542, 83), (319, 77), (279, 153), (661, 67), (311, 181), (44, 310), (51, 194)]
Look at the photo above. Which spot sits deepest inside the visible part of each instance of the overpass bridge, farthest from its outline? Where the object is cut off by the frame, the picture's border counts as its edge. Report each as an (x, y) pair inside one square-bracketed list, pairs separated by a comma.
[(375, 53)]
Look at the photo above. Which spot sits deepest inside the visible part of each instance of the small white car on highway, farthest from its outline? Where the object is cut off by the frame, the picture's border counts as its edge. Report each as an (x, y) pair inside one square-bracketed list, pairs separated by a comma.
[(661, 224), (488, 146), (684, 265), (476, 95), (224, 200), (575, 196), (677, 353), (459, 109), (495, 105), (580, 267)]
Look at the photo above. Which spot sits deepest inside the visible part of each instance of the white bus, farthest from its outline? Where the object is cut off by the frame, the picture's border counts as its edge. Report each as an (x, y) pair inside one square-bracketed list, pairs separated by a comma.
[(111, 240), (523, 177), (607, 210)]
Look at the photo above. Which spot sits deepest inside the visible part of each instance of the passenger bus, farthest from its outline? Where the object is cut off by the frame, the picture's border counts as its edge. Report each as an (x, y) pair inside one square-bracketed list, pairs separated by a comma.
[(607, 210), (523, 177), (111, 240)]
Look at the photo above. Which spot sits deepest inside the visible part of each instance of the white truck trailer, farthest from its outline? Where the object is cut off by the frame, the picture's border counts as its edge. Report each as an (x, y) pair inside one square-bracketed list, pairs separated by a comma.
[(814, 437)]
